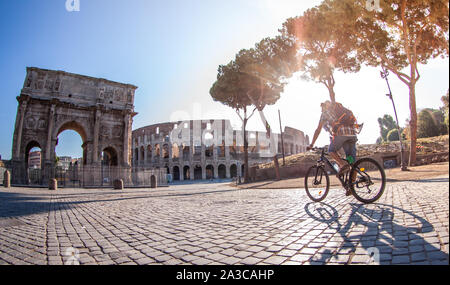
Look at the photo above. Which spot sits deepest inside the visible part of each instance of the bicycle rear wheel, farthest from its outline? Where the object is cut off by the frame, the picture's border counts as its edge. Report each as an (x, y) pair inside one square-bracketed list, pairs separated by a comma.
[(317, 183), (369, 180)]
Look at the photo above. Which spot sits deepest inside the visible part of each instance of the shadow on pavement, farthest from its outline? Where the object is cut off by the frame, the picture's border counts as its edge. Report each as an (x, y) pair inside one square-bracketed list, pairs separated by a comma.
[(382, 236), (430, 180), (19, 204)]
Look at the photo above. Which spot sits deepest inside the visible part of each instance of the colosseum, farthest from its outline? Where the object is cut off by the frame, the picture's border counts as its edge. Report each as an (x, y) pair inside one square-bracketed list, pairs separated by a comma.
[(207, 149)]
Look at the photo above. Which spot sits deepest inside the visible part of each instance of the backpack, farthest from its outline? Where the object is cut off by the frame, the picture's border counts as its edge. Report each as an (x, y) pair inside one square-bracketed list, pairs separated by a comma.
[(344, 115)]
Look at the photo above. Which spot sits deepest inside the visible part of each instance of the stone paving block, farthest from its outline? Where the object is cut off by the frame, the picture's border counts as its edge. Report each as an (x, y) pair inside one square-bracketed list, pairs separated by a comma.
[(418, 256), (436, 255), (275, 260), (401, 259), (300, 257)]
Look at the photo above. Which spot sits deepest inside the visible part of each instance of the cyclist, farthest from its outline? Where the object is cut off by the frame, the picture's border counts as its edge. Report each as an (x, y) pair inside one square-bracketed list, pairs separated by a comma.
[(342, 126)]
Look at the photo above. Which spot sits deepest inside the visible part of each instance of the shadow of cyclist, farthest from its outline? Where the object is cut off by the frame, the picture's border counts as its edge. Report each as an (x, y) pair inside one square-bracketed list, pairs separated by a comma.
[(392, 242)]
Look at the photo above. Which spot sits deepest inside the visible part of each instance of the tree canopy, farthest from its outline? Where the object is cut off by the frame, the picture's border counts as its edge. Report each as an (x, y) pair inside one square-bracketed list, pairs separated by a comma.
[(323, 44), (400, 35)]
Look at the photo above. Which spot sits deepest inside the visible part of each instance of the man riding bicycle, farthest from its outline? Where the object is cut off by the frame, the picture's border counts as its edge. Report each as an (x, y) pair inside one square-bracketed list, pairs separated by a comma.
[(342, 126)]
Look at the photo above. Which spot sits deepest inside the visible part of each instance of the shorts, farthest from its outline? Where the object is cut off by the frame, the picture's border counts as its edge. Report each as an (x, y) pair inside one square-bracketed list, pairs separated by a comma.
[(346, 142)]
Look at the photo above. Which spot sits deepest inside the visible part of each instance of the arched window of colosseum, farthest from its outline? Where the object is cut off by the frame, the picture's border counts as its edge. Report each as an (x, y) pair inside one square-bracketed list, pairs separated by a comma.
[(165, 151), (208, 139), (136, 155), (186, 172), (209, 151), (175, 151), (186, 151), (221, 149), (149, 153), (142, 154), (209, 172), (157, 150)]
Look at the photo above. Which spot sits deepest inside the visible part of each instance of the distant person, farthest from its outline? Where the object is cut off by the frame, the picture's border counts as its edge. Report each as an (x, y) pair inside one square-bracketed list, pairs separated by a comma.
[(341, 124)]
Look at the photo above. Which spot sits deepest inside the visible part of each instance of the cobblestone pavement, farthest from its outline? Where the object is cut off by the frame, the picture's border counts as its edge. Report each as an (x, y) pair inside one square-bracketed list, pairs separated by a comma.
[(218, 224)]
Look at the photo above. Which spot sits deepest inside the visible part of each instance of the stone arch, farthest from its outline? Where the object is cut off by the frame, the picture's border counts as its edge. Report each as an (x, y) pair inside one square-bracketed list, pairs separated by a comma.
[(81, 129), (141, 155), (209, 171), (74, 125), (222, 171), (175, 151), (33, 176), (197, 172), (51, 102), (110, 156), (186, 172), (157, 150), (149, 153), (176, 173), (165, 151), (136, 156), (233, 171), (186, 152)]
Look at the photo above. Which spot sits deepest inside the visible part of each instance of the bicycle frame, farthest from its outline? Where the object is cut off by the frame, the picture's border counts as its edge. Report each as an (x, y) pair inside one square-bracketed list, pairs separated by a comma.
[(322, 160)]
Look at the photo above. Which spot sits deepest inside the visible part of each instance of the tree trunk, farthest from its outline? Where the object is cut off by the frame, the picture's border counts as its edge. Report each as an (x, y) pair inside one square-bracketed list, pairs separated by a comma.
[(244, 127), (332, 94), (413, 122)]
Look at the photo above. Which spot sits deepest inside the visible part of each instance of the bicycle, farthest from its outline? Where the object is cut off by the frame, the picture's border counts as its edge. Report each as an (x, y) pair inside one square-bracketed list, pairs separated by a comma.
[(366, 188)]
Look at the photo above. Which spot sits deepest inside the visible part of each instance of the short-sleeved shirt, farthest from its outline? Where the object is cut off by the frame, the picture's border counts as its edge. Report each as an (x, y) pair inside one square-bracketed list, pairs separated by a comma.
[(328, 118)]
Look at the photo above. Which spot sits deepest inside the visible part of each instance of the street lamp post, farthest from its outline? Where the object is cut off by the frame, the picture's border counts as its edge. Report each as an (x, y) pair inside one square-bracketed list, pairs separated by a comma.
[(384, 74)]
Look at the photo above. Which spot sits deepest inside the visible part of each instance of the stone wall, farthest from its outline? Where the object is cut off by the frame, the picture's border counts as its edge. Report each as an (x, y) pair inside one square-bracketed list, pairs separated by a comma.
[(432, 150)]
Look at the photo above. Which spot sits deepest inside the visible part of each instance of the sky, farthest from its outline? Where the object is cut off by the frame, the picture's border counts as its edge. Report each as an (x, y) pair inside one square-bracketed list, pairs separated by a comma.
[(171, 50)]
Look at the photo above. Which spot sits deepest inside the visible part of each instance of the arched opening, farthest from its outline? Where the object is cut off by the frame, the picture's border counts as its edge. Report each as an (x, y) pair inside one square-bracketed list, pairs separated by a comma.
[(243, 170), (209, 172), (222, 171), (221, 149), (149, 153), (136, 156), (209, 144), (209, 151), (186, 173), (198, 173), (68, 150), (157, 152), (176, 173), (165, 151), (233, 171), (186, 152), (175, 151), (109, 157), (33, 163), (70, 155), (142, 155)]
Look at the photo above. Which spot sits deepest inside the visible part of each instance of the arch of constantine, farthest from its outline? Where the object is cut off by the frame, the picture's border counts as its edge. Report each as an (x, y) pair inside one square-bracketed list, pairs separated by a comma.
[(99, 110)]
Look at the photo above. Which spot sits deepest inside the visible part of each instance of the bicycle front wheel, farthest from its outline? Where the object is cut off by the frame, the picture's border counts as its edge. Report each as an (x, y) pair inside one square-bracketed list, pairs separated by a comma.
[(368, 180), (317, 183)]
